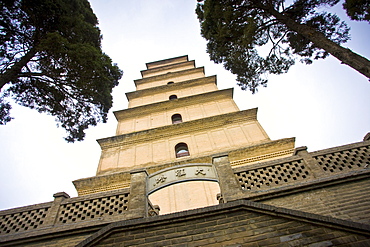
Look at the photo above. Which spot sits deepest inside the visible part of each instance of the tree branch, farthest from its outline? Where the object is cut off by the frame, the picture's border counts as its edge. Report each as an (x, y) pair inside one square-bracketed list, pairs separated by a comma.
[(12, 73), (346, 56), (277, 43)]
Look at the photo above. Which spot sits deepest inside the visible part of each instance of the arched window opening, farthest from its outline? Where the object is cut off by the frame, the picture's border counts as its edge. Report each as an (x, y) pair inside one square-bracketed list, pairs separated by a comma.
[(170, 82), (173, 97), (176, 118), (181, 150)]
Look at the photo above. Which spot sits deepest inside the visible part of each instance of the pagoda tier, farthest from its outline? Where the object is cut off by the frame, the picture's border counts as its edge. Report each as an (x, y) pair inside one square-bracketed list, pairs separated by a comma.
[(177, 116)]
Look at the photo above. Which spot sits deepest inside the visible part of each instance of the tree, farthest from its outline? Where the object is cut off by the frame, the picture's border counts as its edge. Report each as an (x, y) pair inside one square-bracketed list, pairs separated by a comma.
[(235, 29), (358, 10), (51, 61)]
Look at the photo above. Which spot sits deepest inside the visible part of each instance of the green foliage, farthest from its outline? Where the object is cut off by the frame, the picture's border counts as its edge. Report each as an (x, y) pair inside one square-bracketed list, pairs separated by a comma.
[(51, 61), (252, 42), (4, 112), (358, 10)]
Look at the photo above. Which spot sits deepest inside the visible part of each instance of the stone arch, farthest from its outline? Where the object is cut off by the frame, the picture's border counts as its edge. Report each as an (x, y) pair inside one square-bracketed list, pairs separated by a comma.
[(183, 187)]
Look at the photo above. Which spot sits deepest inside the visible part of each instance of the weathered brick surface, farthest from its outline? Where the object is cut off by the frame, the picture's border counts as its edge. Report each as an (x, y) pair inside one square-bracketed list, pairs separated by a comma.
[(348, 201), (64, 241), (231, 226)]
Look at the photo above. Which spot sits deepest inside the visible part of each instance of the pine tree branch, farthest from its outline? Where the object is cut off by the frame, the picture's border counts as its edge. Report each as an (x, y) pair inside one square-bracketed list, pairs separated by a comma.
[(346, 56), (12, 73)]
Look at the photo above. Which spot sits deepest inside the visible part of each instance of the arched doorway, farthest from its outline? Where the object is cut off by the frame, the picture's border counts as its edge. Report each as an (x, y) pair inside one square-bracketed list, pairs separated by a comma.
[(183, 187)]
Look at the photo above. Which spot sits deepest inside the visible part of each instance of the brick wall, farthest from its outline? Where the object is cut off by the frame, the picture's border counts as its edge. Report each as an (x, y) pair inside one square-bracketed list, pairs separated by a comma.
[(348, 201), (64, 241), (228, 226)]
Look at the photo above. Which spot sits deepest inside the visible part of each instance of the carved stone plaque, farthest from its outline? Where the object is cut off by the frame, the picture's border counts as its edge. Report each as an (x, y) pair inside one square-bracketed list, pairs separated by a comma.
[(177, 174)]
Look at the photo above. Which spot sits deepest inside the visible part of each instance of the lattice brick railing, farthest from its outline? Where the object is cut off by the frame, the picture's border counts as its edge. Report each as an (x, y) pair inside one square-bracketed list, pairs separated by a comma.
[(93, 208), (65, 210), (319, 164), (23, 220), (344, 160), (259, 178)]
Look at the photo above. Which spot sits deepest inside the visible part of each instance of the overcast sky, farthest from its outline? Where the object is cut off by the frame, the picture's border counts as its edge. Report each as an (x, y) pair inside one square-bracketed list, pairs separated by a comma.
[(323, 105)]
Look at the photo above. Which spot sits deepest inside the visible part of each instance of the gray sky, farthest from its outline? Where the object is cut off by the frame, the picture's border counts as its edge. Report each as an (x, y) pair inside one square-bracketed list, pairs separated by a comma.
[(323, 105)]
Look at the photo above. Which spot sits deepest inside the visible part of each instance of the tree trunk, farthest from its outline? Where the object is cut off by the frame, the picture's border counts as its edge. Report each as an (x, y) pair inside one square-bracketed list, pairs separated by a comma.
[(12, 73), (345, 55)]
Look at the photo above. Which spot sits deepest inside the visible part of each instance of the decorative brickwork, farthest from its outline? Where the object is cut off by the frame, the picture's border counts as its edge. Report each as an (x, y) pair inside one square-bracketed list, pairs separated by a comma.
[(22, 221), (106, 188), (68, 210), (345, 160), (297, 169), (275, 175), (94, 208), (261, 157)]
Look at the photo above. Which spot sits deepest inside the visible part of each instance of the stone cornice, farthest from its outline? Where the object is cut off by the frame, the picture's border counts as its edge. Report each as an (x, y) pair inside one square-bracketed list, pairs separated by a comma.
[(172, 104), (102, 183), (179, 129), (169, 60), (170, 87), (168, 76), (207, 158), (166, 67)]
